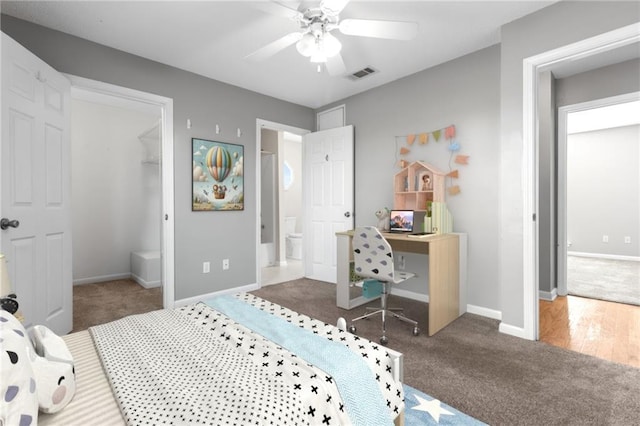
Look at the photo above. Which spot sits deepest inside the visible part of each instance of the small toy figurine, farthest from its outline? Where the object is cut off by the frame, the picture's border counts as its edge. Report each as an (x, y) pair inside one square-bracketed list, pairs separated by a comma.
[(383, 219)]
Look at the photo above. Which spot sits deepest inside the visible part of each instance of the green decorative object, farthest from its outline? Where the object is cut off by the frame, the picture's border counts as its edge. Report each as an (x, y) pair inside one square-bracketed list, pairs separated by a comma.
[(371, 289)]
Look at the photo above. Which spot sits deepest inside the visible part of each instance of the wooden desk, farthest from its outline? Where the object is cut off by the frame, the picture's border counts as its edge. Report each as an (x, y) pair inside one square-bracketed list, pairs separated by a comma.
[(443, 281)]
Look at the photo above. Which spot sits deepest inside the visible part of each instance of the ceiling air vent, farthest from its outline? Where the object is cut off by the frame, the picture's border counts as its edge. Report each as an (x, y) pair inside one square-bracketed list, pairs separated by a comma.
[(362, 73)]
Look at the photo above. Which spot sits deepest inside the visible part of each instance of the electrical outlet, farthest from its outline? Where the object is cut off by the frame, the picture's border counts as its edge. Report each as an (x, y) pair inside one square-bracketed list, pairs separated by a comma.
[(206, 267), (627, 240), (225, 264), (605, 238)]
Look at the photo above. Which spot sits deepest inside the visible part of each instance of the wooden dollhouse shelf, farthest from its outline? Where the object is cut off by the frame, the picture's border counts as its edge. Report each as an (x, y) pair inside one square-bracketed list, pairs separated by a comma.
[(417, 184)]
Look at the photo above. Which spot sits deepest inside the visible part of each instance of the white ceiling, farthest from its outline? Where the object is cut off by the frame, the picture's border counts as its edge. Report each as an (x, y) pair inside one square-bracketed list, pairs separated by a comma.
[(619, 115), (212, 38)]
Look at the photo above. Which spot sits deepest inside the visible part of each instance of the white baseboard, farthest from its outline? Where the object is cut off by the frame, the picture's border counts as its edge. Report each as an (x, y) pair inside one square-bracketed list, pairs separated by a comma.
[(485, 312), (604, 256), (102, 278), (548, 295), (512, 330), (195, 299), (145, 284), (410, 295)]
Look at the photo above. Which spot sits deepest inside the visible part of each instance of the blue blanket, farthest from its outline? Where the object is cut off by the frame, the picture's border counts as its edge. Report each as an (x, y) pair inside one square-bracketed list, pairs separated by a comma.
[(358, 388)]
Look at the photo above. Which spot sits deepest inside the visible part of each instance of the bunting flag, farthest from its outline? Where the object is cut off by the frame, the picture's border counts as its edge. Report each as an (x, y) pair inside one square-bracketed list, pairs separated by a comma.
[(403, 164), (404, 151), (436, 135), (450, 132), (453, 174), (424, 138), (462, 159), (453, 146), (411, 139), (454, 190)]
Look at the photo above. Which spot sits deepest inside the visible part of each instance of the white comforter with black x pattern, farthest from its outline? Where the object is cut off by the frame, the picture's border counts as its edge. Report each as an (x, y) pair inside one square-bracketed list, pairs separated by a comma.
[(194, 365)]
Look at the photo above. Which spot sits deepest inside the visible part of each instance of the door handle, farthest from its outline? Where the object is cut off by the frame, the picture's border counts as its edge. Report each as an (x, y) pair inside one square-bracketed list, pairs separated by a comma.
[(6, 223), (347, 214)]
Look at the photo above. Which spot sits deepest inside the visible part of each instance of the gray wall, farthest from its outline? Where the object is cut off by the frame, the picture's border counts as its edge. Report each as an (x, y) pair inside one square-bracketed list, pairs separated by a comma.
[(605, 82), (603, 191), (558, 25), (200, 236), (465, 93), (547, 182)]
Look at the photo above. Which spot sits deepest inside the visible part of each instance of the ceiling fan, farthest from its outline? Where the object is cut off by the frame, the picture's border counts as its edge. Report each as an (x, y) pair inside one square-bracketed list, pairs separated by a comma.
[(315, 41)]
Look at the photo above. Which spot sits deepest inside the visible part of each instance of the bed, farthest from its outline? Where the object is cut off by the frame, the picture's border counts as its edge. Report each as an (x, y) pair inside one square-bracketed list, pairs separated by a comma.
[(223, 361)]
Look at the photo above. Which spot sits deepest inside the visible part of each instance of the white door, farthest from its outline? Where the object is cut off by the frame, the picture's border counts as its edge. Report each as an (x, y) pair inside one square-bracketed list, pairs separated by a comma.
[(328, 198), (35, 186)]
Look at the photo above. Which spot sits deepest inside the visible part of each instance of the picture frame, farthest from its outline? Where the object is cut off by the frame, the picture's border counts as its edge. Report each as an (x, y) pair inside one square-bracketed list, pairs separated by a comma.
[(218, 176), (425, 181)]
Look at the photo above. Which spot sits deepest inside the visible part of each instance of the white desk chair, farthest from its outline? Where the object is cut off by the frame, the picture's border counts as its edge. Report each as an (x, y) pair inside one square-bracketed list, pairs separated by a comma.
[(373, 258)]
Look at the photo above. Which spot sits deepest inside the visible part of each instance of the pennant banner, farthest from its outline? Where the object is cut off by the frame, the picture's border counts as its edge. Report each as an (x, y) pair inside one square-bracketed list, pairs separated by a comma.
[(411, 139), (450, 132), (454, 190), (462, 159), (436, 135), (404, 151), (424, 138), (453, 174)]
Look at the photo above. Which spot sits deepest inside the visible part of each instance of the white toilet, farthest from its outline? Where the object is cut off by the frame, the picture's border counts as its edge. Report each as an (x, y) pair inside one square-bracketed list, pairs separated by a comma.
[(293, 239)]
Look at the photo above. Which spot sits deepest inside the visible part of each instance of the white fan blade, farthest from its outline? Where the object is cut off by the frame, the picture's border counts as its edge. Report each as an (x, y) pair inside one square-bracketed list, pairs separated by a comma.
[(333, 7), (335, 65), (395, 30), (274, 47), (279, 9)]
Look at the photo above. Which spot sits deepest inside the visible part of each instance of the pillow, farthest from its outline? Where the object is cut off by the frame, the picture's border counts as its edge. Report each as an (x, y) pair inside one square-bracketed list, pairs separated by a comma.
[(54, 371), (19, 403)]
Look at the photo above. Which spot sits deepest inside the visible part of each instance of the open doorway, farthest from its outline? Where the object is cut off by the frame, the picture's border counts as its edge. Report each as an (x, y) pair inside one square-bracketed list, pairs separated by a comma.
[(598, 228), (135, 202), (281, 217), (600, 251)]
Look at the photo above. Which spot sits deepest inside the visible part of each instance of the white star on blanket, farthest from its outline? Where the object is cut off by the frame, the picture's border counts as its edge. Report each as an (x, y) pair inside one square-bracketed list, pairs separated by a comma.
[(432, 407)]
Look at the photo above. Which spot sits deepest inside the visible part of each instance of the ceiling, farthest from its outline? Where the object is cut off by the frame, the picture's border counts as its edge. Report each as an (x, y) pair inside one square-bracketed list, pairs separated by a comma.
[(212, 38)]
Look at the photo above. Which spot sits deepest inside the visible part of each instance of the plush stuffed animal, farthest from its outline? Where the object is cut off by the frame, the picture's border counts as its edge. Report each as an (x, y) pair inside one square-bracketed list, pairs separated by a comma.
[(32, 378), (18, 394), (383, 219), (53, 367)]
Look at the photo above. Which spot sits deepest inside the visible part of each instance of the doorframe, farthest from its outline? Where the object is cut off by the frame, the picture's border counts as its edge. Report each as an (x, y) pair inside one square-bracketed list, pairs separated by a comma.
[(166, 169), (530, 167), (563, 114), (271, 125)]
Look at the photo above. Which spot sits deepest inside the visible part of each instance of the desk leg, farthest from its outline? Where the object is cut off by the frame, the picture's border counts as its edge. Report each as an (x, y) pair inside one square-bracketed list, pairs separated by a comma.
[(444, 280)]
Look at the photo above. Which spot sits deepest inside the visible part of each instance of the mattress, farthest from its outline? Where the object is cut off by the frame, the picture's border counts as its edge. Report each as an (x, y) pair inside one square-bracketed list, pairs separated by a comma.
[(94, 400)]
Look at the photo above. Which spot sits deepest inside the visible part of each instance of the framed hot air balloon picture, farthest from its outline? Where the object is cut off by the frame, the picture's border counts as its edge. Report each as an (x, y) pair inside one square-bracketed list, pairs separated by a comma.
[(218, 176)]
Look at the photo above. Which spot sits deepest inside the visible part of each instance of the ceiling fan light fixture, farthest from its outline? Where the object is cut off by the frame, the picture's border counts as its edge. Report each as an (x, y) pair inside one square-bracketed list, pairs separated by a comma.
[(318, 57), (307, 45)]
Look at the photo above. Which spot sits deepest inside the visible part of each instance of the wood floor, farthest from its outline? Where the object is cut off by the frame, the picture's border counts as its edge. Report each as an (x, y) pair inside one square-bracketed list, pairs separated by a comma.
[(599, 328)]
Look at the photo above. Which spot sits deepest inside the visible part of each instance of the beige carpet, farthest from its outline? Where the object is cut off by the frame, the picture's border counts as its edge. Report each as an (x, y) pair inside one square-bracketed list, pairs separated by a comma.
[(98, 303)]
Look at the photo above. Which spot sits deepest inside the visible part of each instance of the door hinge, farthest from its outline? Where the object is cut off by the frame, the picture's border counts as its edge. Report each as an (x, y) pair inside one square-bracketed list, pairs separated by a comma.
[(534, 217)]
